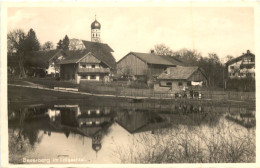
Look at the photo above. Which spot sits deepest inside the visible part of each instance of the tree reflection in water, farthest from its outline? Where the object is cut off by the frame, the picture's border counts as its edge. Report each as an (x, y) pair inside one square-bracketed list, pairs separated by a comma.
[(161, 133)]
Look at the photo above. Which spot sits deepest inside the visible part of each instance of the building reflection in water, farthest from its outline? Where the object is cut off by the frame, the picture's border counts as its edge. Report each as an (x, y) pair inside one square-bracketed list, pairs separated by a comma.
[(94, 122)]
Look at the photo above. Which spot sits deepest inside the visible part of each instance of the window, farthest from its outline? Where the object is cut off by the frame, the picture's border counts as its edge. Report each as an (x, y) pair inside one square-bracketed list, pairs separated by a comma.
[(180, 83), (83, 66), (252, 60), (83, 77), (169, 84), (93, 66), (93, 35), (93, 77), (189, 83)]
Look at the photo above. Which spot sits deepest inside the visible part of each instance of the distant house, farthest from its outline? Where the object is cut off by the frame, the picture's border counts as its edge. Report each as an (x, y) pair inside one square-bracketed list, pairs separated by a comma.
[(242, 66), (176, 78), (44, 62), (141, 64), (95, 63)]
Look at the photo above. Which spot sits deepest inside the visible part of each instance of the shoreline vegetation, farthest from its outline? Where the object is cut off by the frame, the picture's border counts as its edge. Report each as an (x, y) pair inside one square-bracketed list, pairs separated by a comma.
[(183, 144)]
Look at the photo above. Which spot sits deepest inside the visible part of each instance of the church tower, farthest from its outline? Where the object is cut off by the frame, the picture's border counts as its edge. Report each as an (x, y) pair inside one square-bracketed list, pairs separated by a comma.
[(95, 31)]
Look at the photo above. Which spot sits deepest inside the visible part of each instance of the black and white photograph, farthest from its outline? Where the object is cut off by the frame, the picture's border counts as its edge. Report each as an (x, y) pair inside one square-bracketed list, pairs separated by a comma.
[(138, 84)]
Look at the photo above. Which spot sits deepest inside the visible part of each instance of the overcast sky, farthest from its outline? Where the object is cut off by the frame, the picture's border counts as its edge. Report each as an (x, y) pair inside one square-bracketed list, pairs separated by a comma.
[(225, 31)]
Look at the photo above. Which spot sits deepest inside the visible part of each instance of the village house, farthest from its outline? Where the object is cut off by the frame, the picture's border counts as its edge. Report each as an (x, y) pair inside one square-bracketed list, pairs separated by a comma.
[(142, 64), (242, 66), (93, 62), (177, 78)]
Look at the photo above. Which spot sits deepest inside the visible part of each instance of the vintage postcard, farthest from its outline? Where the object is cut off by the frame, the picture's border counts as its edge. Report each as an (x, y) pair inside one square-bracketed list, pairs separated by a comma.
[(129, 84)]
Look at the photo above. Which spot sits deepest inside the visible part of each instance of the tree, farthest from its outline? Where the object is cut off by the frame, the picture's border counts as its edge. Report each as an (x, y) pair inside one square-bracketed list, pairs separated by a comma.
[(66, 43), (15, 40), (47, 45), (229, 57), (31, 42), (59, 45), (76, 44), (16, 44), (162, 49), (188, 57)]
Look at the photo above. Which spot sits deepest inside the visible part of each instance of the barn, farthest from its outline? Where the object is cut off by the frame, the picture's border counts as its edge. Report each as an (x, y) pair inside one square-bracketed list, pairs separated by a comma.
[(141, 64)]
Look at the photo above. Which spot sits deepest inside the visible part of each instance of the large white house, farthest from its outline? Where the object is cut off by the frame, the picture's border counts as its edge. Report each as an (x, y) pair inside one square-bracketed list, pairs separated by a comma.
[(242, 66)]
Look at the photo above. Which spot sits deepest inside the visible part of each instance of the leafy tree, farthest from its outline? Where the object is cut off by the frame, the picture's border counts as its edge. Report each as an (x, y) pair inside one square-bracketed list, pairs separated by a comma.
[(162, 49), (15, 40), (47, 45), (16, 45), (229, 57), (76, 44)]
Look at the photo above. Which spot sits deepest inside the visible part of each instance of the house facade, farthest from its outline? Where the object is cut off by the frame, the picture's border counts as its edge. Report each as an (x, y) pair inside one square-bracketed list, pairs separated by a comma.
[(177, 78), (88, 60), (242, 66), (88, 66), (141, 64)]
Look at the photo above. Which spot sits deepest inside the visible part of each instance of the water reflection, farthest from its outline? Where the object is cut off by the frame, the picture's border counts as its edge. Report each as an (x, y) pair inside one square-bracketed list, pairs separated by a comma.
[(28, 126)]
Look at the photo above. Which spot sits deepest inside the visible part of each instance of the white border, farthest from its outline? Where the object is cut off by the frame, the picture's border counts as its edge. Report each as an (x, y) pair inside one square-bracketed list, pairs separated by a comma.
[(157, 3)]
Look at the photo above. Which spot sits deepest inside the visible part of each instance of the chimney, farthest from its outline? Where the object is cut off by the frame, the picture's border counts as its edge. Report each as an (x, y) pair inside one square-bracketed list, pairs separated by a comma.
[(248, 51), (152, 51)]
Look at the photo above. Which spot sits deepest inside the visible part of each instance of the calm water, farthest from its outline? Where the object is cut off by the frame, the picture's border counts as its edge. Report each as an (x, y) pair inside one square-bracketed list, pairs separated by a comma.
[(85, 133)]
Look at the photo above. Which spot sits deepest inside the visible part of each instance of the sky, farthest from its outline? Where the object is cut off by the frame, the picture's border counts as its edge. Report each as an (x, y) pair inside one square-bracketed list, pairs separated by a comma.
[(222, 30)]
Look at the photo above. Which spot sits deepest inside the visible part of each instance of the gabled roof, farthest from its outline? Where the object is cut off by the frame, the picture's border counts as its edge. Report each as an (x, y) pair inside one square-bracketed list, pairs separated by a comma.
[(178, 73), (74, 56), (154, 59), (150, 58), (99, 50), (90, 45), (41, 59), (240, 58)]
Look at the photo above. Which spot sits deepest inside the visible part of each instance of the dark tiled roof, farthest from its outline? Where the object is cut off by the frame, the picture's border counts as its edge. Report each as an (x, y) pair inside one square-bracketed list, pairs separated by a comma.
[(73, 56), (239, 58), (173, 60), (152, 58), (40, 59), (179, 72), (96, 45)]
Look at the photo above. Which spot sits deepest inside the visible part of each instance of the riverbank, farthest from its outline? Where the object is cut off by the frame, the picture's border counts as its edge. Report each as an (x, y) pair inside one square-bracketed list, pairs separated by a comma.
[(25, 94), (119, 89)]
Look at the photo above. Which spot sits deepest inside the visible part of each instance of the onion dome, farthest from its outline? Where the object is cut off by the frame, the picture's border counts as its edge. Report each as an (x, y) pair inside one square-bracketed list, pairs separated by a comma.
[(95, 25)]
